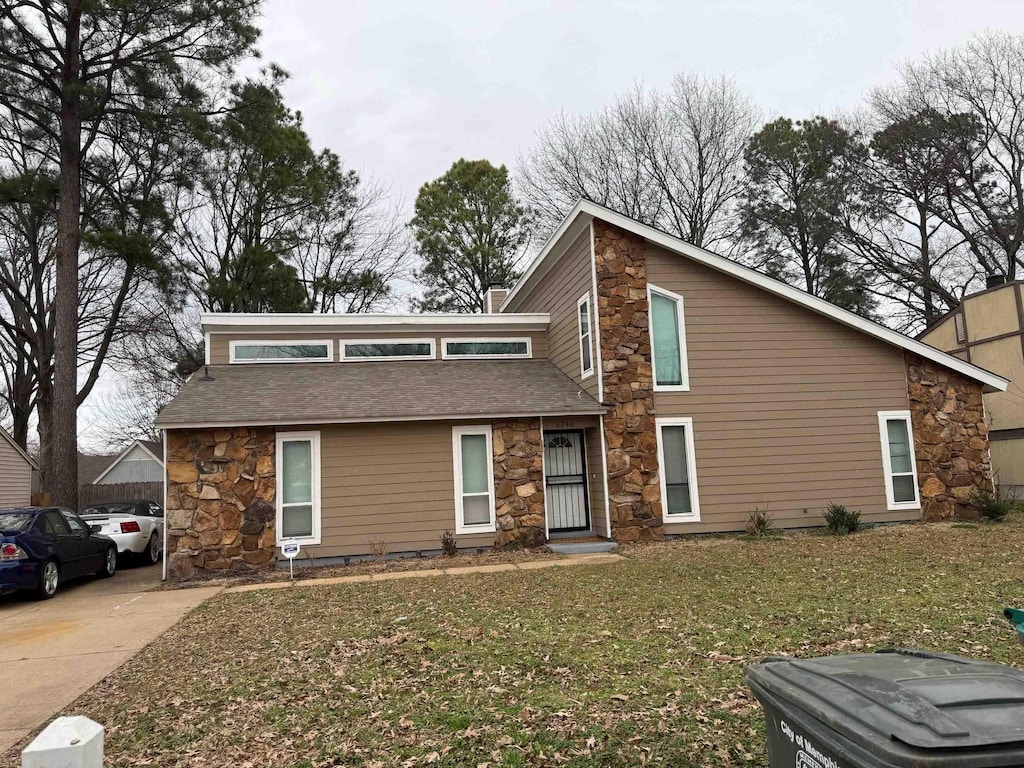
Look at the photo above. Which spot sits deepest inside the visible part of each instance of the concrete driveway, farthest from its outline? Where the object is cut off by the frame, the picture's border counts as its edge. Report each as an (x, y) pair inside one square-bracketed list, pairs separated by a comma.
[(53, 651)]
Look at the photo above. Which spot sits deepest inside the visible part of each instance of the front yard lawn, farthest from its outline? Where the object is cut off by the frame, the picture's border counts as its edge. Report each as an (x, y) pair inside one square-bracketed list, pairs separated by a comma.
[(634, 663)]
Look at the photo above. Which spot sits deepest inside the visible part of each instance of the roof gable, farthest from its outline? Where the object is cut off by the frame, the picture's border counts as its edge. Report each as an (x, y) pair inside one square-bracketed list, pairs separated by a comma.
[(147, 448), (21, 452), (586, 210)]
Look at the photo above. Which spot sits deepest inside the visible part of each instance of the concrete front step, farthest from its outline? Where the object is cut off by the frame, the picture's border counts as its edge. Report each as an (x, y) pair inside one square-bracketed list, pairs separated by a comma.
[(582, 547)]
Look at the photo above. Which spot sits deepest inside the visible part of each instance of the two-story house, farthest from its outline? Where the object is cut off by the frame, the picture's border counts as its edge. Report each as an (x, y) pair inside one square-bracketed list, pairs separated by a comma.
[(987, 329), (630, 386)]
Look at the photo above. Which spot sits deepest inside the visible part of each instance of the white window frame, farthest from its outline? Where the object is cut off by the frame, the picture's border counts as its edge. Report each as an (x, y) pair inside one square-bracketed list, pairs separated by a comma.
[(329, 343), (691, 469), (684, 366), (313, 437), (507, 339), (386, 358), (585, 373), (457, 434), (891, 503)]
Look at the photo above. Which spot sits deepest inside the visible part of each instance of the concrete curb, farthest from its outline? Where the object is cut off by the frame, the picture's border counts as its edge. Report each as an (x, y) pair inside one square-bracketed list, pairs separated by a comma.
[(530, 565)]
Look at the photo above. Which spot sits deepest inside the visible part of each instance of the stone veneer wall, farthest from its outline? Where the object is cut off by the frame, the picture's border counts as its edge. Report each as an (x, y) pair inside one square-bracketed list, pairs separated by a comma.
[(518, 482), (950, 439), (220, 500), (633, 486)]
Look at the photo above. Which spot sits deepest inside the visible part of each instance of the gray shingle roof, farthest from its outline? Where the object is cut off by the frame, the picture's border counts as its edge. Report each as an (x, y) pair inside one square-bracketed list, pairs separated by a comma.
[(324, 393), (90, 465)]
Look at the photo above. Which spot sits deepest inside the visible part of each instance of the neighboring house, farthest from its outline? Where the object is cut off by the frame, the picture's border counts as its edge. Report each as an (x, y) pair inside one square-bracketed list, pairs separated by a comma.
[(16, 468), (91, 465), (987, 329), (630, 386), (140, 462)]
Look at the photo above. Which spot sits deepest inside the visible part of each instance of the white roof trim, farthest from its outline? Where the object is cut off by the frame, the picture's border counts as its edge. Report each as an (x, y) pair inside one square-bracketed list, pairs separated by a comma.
[(316, 320), (21, 451), (322, 422), (776, 287), (568, 223), (121, 455)]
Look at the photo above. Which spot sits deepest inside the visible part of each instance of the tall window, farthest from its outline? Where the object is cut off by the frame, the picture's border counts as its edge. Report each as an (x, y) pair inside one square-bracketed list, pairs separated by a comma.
[(298, 491), (678, 473), (898, 459), (280, 351), (474, 483), (586, 346), (668, 340)]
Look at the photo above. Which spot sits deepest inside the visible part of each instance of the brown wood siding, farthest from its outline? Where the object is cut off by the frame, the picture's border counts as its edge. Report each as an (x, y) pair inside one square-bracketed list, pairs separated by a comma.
[(991, 313), (568, 279), (942, 335), (394, 482), (220, 342), (15, 477), (596, 481), (784, 403)]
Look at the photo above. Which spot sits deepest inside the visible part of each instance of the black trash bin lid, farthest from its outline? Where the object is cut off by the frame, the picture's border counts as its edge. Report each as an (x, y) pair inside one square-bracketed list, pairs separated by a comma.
[(929, 701)]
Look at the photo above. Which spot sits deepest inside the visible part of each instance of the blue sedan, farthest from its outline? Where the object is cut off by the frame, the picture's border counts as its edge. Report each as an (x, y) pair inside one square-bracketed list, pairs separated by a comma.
[(42, 547)]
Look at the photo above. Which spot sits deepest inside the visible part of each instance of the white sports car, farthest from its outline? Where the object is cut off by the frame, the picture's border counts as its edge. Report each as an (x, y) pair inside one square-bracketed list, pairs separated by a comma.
[(137, 526)]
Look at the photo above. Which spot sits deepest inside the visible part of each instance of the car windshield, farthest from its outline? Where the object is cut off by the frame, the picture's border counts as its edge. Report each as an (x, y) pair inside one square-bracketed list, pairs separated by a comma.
[(110, 509), (16, 522)]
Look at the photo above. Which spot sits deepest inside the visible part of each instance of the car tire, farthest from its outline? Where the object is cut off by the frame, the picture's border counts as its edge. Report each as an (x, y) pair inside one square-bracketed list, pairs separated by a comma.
[(49, 580), (109, 567), (152, 554)]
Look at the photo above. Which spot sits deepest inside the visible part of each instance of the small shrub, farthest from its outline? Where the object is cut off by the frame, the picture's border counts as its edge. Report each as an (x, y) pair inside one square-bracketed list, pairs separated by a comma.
[(378, 548), (841, 520), (760, 522), (448, 545), (995, 505)]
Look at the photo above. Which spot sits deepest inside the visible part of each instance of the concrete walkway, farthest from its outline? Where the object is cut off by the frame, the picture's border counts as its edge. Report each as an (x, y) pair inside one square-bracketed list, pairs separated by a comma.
[(53, 651), (530, 565)]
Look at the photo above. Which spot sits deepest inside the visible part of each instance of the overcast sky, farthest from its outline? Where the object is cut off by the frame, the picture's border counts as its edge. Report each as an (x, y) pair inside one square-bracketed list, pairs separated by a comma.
[(400, 90)]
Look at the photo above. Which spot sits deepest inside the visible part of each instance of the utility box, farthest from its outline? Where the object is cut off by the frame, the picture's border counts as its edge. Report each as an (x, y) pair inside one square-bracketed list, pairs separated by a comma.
[(67, 742), (893, 708)]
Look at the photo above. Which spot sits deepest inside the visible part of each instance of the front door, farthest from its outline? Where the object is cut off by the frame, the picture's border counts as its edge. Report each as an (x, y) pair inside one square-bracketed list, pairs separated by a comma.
[(565, 474)]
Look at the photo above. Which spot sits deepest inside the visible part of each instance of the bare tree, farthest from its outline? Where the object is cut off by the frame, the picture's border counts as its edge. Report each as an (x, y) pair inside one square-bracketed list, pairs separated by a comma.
[(126, 415), (152, 367), (921, 265), (670, 159), (978, 88), (122, 277), (354, 246), (68, 69), (273, 225)]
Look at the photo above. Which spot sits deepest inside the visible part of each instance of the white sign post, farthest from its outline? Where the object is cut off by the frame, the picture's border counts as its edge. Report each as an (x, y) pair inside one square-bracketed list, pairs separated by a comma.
[(290, 549)]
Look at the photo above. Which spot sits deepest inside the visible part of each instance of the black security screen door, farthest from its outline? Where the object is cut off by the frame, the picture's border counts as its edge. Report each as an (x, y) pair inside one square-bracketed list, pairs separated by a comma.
[(566, 475)]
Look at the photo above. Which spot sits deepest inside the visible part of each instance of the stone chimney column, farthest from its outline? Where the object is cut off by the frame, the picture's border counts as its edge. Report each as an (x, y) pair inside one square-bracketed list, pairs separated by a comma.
[(633, 484)]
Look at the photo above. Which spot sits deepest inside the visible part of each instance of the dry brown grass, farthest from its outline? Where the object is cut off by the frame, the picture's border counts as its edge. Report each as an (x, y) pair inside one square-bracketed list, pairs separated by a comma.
[(613, 665)]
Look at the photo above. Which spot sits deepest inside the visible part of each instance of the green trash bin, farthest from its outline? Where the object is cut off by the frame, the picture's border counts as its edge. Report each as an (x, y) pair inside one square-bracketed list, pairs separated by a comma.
[(888, 709), (1016, 617)]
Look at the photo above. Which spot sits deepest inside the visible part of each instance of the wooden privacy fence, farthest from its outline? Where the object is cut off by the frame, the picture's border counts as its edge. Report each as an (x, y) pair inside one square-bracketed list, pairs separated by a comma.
[(93, 494)]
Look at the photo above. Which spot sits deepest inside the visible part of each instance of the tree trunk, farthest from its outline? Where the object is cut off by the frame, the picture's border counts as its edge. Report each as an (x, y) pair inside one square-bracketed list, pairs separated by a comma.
[(62, 437), (21, 401), (930, 311)]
